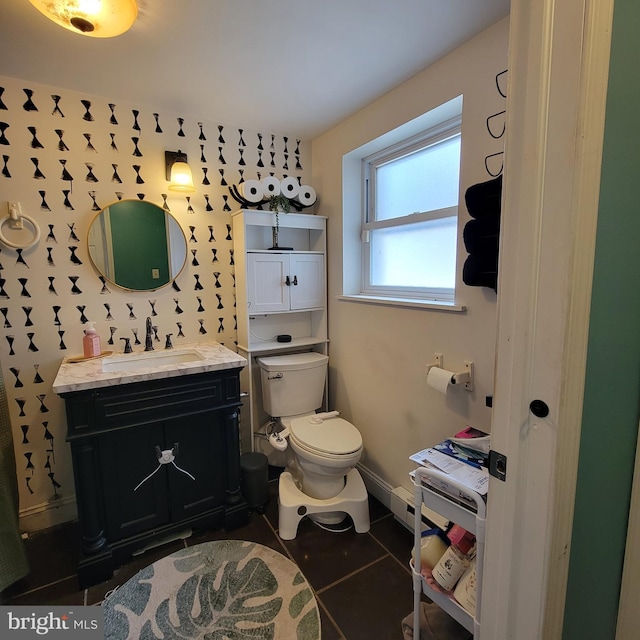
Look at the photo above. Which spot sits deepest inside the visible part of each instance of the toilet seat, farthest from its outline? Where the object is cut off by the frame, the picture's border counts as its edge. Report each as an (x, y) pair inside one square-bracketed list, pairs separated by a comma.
[(332, 438)]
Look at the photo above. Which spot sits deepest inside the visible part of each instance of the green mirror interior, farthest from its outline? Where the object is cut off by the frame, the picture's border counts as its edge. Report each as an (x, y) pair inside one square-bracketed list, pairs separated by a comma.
[(137, 245)]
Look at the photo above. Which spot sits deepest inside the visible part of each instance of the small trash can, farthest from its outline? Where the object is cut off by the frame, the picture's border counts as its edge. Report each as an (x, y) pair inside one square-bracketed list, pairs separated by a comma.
[(255, 480)]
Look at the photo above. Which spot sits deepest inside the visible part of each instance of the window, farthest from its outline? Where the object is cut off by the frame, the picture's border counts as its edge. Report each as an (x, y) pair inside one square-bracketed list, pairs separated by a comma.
[(410, 216)]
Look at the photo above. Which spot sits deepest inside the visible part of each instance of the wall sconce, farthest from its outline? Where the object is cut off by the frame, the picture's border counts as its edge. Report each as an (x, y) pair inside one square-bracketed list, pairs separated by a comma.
[(95, 18), (178, 172)]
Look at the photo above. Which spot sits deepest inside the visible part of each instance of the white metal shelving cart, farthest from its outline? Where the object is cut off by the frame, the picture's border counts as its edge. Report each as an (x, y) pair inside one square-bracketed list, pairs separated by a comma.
[(471, 518)]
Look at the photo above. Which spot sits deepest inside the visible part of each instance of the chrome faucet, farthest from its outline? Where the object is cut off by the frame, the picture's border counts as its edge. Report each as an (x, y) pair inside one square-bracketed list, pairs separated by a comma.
[(148, 340)]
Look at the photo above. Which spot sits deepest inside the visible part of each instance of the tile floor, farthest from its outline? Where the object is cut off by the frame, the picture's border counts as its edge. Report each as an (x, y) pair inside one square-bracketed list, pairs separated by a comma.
[(362, 581)]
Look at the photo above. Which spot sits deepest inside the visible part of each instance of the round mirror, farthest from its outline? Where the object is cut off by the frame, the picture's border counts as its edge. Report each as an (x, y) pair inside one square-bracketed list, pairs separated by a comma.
[(137, 245)]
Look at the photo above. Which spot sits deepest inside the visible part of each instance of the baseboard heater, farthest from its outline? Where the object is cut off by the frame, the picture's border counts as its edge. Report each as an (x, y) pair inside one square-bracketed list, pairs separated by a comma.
[(402, 508)]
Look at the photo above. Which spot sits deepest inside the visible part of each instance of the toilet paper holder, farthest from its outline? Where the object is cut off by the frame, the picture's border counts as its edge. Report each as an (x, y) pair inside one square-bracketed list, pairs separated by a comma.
[(463, 377)]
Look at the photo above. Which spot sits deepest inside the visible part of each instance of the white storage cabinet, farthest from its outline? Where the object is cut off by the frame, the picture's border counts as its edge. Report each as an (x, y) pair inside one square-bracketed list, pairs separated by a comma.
[(466, 518), (278, 292), (278, 282)]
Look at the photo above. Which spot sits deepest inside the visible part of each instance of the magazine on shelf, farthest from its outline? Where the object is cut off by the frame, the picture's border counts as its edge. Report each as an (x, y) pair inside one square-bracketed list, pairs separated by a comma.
[(472, 438), (475, 478), (462, 453), (447, 491)]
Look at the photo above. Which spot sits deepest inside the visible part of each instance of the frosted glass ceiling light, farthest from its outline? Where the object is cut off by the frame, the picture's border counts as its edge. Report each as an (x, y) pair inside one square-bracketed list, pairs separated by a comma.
[(178, 172), (96, 18)]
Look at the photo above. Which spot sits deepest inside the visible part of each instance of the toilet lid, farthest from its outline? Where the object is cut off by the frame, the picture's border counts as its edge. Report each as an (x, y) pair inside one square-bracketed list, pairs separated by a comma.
[(332, 435)]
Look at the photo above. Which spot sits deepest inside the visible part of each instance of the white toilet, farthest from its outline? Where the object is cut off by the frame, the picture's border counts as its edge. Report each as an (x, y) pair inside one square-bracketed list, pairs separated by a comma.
[(320, 480)]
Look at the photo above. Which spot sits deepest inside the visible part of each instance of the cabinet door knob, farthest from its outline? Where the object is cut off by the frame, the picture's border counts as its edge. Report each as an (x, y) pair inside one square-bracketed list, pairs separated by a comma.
[(295, 280), (287, 281)]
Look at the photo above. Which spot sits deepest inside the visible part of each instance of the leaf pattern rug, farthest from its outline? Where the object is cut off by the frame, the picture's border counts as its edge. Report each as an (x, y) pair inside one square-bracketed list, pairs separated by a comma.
[(224, 590)]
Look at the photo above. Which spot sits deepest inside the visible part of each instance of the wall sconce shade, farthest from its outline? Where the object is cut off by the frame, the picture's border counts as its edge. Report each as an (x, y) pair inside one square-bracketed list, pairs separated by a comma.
[(178, 172), (95, 18)]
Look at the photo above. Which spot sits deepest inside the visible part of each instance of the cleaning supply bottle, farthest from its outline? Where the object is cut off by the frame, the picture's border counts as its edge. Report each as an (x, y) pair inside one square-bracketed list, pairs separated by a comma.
[(465, 591), (456, 558), (433, 544), (91, 342)]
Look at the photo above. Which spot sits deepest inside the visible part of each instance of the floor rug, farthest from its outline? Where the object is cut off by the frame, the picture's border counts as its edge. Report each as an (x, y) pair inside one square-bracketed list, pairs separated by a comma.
[(225, 590)]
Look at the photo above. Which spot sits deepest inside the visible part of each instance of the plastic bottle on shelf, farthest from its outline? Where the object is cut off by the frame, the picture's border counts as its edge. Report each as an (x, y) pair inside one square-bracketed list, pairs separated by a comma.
[(91, 342), (432, 547), (465, 591), (456, 558)]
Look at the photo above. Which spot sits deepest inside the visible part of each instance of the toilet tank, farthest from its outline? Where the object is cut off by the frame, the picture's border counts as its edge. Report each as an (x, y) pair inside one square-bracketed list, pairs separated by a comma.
[(293, 384)]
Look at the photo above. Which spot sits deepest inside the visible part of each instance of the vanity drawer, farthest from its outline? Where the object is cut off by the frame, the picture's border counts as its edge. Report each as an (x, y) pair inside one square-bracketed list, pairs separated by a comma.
[(146, 402)]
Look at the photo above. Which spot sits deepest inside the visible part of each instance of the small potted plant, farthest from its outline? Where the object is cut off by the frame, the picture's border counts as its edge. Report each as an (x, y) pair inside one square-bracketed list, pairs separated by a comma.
[(276, 205)]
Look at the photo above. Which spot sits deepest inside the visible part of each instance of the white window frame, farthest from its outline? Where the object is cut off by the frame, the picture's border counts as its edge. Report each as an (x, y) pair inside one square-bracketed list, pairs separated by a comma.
[(433, 136)]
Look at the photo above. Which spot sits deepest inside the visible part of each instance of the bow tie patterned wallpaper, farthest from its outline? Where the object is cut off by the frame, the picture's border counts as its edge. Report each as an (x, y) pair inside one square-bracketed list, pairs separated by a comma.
[(64, 156)]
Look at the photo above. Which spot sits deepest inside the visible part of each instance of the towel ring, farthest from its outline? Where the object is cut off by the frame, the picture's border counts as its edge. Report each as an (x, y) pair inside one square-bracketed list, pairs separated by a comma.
[(16, 219)]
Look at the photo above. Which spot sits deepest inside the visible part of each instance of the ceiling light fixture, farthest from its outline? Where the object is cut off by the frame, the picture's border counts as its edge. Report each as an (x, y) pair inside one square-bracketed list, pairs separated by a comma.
[(95, 18), (178, 172)]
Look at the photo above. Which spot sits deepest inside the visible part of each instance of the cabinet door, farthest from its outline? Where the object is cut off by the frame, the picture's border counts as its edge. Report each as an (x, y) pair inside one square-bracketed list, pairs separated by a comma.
[(266, 276), (307, 278), (127, 457), (200, 452), (282, 282)]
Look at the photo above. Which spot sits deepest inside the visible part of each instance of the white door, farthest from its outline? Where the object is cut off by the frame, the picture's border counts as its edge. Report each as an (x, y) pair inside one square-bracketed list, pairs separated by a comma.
[(266, 276), (307, 278), (558, 70)]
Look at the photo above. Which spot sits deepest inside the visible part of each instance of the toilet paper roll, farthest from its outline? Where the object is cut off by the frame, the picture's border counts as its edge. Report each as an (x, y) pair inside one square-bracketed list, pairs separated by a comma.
[(289, 187), (439, 379), (251, 190), (306, 196), (271, 186)]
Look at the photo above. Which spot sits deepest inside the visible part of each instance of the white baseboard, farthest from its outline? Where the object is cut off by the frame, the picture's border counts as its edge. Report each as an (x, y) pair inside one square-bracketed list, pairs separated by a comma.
[(402, 507), (376, 486), (47, 514), (399, 501)]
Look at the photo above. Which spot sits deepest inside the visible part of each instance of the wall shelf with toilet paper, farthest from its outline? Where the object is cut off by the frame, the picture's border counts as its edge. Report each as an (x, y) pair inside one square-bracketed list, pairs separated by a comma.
[(254, 193), (442, 379)]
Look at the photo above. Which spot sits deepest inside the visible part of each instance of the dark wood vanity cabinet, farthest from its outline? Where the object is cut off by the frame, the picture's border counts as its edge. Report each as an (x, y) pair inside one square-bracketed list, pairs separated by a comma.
[(127, 499)]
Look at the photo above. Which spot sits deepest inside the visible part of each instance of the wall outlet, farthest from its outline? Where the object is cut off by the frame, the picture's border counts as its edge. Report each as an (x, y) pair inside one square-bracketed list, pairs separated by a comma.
[(155, 273)]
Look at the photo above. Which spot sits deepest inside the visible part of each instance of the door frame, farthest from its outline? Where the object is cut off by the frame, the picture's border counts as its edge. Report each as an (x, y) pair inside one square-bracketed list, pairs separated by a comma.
[(558, 72)]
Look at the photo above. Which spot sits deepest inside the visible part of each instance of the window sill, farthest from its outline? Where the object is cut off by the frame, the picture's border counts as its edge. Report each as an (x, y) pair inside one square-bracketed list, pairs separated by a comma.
[(404, 302)]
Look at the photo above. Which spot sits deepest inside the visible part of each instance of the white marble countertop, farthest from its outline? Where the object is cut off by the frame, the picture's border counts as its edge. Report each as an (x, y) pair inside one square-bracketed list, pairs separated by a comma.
[(89, 374)]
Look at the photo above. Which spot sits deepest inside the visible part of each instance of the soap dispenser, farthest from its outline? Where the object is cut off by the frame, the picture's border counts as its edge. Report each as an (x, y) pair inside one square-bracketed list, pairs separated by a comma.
[(91, 342)]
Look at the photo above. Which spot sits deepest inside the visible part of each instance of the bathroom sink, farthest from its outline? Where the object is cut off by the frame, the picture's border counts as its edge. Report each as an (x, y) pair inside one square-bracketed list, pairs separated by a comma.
[(186, 359), (150, 360)]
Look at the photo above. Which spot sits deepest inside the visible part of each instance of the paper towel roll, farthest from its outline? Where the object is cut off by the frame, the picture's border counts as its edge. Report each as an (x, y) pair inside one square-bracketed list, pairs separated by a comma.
[(306, 196), (289, 187), (271, 186), (251, 190), (439, 379)]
